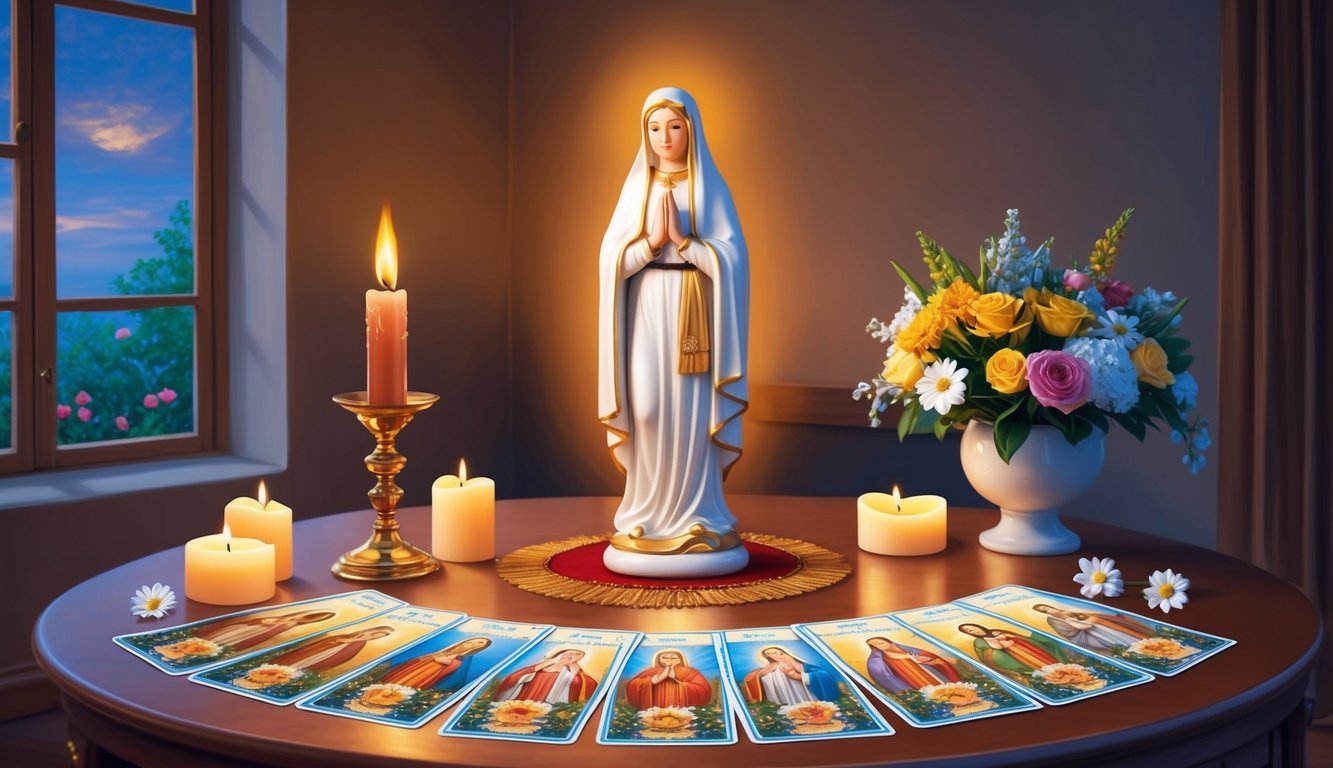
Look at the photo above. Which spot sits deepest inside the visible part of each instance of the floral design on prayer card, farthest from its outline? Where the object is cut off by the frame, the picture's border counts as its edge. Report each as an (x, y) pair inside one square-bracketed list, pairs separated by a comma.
[(420, 681), (927, 686), (785, 690), (284, 674), (207, 643), (548, 693), (670, 692), (1048, 669), (1137, 641)]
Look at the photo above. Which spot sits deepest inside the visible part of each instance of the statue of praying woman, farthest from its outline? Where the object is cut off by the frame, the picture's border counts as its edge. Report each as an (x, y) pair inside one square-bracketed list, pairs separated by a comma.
[(673, 319)]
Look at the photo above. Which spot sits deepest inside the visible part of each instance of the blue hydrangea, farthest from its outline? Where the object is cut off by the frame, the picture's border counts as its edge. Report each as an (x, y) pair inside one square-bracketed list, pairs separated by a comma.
[(1013, 268), (1115, 382), (1185, 391)]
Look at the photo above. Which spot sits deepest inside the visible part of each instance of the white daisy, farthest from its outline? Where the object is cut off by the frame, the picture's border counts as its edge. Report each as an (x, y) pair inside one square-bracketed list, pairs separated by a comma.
[(941, 386), (1166, 589), (1099, 576), (1120, 328), (152, 602)]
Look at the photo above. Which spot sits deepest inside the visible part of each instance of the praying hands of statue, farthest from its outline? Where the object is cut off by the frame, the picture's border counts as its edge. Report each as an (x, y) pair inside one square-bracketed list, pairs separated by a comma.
[(669, 672), (446, 658), (791, 670), (666, 226)]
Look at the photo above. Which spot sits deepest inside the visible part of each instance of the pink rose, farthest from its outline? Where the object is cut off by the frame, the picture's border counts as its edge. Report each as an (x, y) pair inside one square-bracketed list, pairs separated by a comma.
[(122, 334), (167, 395), (150, 400), (1116, 293), (1059, 380), (85, 414), (1077, 281), (122, 423), (82, 399), (63, 412)]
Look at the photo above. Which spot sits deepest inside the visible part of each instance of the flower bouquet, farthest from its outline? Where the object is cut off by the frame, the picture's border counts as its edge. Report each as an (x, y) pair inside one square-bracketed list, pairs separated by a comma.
[(1017, 344)]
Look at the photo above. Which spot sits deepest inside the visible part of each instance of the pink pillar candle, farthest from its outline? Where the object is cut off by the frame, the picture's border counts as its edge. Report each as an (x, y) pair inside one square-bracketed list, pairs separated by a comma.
[(386, 324)]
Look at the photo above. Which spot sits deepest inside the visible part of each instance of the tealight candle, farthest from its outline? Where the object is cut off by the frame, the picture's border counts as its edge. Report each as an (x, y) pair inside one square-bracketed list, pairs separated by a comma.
[(222, 570), (267, 520), (462, 517), (891, 525)]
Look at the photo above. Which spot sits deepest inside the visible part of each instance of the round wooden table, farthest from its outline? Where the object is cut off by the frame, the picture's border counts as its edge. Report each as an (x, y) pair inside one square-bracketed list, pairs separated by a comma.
[(1244, 705)]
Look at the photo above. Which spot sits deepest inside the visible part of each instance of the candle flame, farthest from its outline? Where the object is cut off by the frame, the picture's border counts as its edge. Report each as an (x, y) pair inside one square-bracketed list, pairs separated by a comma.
[(386, 251), (897, 498), (263, 494), (462, 471), (226, 536)]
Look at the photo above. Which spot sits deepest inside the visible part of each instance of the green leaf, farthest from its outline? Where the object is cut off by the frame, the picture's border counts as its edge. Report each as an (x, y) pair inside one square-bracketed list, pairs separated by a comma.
[(911, 282), (1148, 404), (1179, 364), (906, 422), (1080, 430), (1010, 436), (1131, 425), (967, 274), (942, 428), (1096, 418), (1174, 345), (983, 269)]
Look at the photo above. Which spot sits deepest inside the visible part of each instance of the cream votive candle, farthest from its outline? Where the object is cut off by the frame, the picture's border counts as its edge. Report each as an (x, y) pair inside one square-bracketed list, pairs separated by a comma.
[(888, 524), (222, 570)]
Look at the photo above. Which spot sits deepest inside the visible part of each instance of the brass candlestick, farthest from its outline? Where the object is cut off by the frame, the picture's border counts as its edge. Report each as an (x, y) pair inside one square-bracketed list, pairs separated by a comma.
[(385, 556)]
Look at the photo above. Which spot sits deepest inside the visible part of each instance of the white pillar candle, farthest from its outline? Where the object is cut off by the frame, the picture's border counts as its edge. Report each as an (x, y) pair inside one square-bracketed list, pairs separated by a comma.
[(890, 525), (462, 517), (267, 520), (222, 570)]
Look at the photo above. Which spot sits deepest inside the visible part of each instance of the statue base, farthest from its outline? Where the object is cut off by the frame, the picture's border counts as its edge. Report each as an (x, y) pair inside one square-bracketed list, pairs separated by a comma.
[(681, 566)]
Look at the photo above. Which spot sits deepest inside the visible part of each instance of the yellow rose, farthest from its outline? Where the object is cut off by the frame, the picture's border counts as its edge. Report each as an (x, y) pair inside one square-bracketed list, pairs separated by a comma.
[(902, 369), (1150, 361), (923, 334), (955, 302), (997, 314), (1058, 315), (1007, 371)]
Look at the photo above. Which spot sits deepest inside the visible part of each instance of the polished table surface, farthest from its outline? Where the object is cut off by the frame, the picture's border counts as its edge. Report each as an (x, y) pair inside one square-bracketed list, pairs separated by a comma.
[(1227, 703)]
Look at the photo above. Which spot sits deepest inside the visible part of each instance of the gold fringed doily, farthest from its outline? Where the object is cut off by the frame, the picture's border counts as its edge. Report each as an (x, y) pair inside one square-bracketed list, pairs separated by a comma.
[(814, 568)]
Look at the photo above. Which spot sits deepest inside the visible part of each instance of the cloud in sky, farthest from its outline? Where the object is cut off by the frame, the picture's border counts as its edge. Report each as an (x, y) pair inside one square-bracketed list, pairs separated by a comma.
[(123, 218), (118, 127)]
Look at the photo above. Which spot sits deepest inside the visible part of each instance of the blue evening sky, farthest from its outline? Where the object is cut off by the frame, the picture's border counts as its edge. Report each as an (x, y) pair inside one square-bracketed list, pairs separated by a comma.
[(124, 141)]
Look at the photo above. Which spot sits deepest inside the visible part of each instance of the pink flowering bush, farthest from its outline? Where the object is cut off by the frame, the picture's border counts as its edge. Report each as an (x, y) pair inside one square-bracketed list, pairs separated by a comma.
[(136, 366), (63, 412)]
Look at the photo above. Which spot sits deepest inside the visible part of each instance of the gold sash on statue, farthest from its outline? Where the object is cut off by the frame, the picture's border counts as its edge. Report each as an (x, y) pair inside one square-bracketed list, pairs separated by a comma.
[(694, 332)]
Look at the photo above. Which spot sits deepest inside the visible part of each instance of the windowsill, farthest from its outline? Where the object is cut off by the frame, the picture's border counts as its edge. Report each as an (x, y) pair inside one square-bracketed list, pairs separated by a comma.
[(85, 483)]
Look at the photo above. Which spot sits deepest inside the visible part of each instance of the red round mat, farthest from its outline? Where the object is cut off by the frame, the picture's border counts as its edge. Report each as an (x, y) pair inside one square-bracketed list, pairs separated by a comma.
[(571, 569), (585, 564)]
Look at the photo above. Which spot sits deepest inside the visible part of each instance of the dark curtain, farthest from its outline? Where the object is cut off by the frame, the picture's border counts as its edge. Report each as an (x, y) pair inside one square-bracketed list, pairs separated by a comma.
[(1276, 288)]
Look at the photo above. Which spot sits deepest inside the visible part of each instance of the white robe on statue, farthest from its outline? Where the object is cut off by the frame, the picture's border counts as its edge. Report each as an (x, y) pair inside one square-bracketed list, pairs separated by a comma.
[(674, 435)]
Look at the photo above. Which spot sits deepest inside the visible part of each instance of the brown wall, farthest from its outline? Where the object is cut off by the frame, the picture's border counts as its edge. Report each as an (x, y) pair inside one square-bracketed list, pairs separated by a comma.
[(842, 128)]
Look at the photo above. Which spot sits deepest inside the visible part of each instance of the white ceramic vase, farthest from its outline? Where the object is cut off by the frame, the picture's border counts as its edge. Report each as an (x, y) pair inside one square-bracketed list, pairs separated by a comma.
[(1042, 475)]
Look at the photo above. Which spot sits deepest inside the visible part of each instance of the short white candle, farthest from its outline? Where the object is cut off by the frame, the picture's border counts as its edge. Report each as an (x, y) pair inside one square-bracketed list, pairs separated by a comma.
[(222, 570), (267, 520), (462, 517), (891, 525)]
